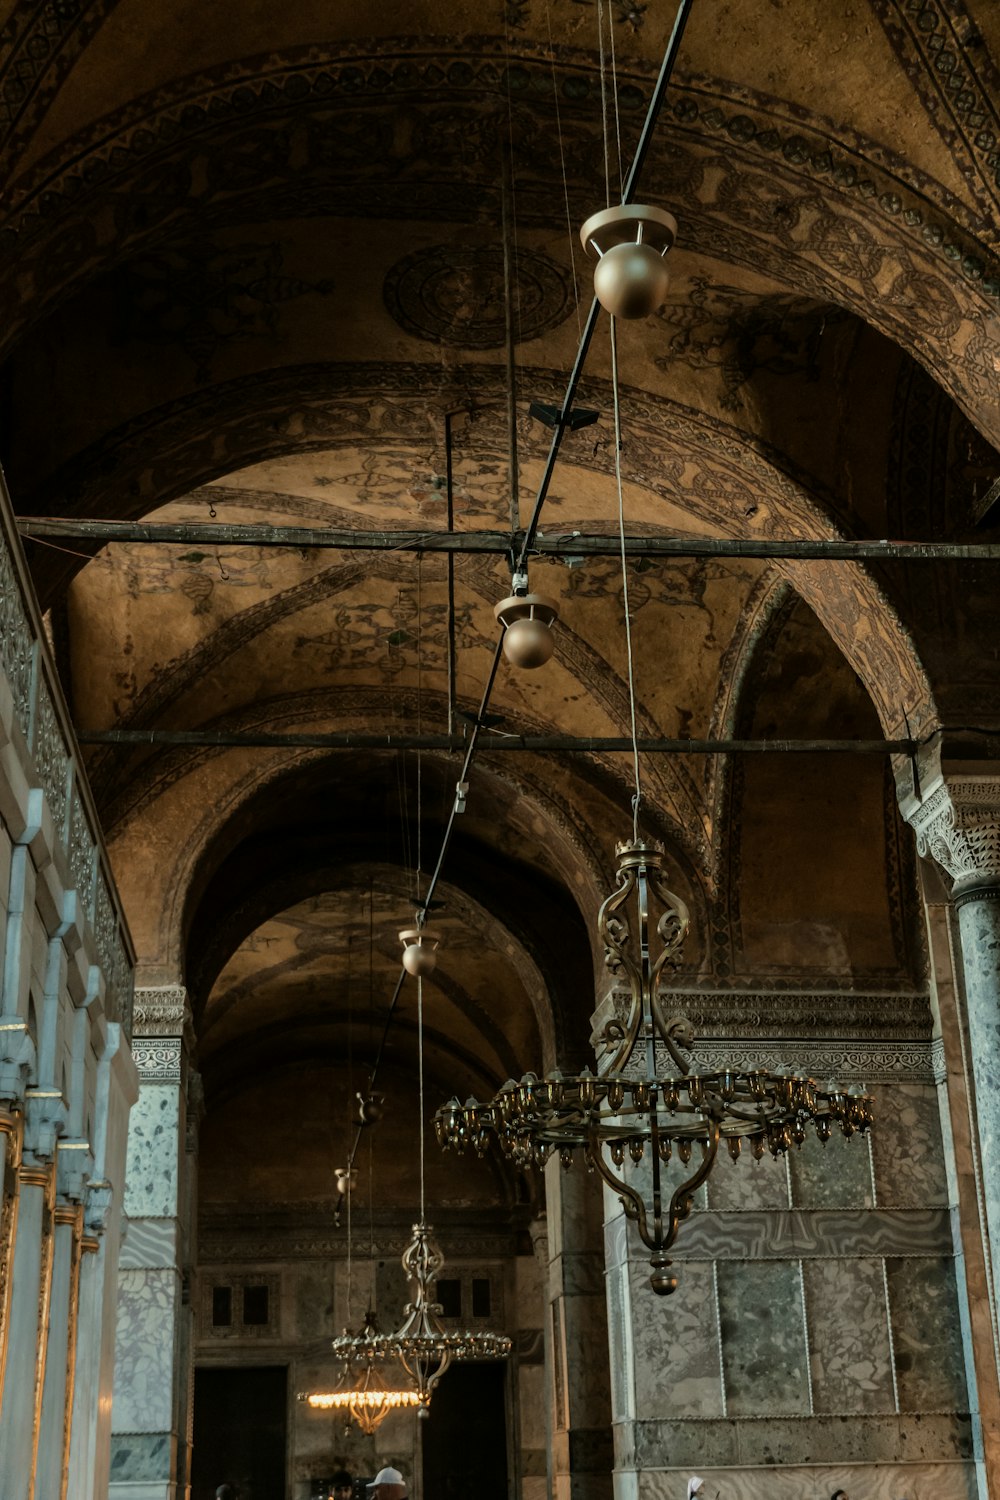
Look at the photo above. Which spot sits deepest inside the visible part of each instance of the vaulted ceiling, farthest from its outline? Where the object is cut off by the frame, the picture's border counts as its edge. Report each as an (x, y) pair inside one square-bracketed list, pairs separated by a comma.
[(253, 255)]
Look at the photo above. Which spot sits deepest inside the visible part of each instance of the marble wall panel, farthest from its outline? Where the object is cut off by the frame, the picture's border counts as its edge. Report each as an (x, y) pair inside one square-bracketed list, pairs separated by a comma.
[(848, 1325), (748, 1184), (814, 1232), (148, 1302), (149, 1242), (835, 1175), (906, 1147), (141, 1456), (944, 1481), (940, 1437), (763, 1338), (531, 1403), (619, 1346), (153, 1147), (927, 1337), (678, 1364)]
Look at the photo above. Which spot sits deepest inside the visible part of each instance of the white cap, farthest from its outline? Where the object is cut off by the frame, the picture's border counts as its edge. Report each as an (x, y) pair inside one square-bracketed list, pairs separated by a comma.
[(694, 1485), (387, 1476)]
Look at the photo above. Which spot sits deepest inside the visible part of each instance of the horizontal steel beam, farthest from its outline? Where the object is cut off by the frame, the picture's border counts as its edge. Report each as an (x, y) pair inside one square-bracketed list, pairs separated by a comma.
[(215, 534), (561, 743)]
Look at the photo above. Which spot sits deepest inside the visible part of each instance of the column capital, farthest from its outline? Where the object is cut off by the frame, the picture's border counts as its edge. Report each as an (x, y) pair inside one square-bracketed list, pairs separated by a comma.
[(163, 1011), (957, 823)]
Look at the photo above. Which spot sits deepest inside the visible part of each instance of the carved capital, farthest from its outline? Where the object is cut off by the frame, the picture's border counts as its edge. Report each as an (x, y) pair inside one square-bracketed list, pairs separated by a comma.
[(163, 1012), (45, 1116), (958, 824), (74, 1167), (17, 1060), (97, 1207)]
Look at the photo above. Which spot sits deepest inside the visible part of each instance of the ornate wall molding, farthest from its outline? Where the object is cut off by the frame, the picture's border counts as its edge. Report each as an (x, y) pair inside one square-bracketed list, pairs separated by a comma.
[(958, 825), (158, 1062)]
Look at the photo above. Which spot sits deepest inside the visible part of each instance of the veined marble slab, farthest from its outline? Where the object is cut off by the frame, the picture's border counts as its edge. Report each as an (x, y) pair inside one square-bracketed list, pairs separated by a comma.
[(683, 1445), (848, 1327), (762, 1324), (955, 1481), (820, 1232)]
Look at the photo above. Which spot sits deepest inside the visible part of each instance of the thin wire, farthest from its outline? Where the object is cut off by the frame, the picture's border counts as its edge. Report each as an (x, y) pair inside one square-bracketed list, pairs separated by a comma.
[(373, 1299), (565, 180), (614, 95), (604, 102), (637, 798), (350, 1103), (420, 1073), (420, 699)]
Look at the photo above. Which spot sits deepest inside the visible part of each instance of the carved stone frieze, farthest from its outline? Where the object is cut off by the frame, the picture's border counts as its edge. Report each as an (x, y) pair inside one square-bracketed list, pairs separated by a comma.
[(744, 1016), (958, 824), (158, 1062), (162, 1012)]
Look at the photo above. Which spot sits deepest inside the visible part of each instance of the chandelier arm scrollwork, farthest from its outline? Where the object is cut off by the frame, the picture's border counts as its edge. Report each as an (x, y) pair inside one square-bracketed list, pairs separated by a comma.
[(615, 935)]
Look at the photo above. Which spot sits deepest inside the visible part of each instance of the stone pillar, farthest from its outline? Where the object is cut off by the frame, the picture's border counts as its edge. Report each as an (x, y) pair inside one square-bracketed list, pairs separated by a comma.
[(957, 823), (116, 1089), (74, 1164), (34, 1249), (576, 1336), (152, 1368)]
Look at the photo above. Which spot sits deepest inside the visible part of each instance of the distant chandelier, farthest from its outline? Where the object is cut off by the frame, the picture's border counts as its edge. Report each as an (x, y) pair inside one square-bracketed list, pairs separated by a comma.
[(631, 1106), (364, 1394), (421, 1345)]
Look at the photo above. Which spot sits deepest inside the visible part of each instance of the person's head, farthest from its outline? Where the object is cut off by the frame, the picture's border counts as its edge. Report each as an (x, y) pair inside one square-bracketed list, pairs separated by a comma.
[(839, 1495), (388, 1484), (342, 1487), (225, 1492)]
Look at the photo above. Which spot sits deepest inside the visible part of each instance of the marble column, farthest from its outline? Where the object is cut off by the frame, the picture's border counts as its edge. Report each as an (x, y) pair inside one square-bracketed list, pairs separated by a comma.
[(576, 1337), (957, 823), (116, 1089), (153, 1365), (74, 1164)]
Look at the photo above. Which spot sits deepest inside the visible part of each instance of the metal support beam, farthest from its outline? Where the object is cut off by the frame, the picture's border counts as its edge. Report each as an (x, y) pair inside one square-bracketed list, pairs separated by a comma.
[(985, 745), (216, 534)]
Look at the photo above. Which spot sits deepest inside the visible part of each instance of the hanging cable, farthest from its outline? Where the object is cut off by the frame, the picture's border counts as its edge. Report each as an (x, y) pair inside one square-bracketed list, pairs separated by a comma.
[(614, 95), (604, 102), (565, 179), (420, 1076), (420, 728), (637, 797), (652, 114)]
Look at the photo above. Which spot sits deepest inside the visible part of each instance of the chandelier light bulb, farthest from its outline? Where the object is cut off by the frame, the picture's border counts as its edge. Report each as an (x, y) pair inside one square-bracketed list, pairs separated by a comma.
[(527, 620), (419, 951), (630, 242)]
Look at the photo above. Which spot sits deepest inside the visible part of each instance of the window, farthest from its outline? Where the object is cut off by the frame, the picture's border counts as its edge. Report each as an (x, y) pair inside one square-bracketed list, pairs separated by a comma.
[(449, 1294), (255, 1306)]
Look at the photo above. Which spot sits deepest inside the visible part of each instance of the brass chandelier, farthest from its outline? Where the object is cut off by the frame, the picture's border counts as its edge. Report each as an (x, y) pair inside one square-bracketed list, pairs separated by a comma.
[(364, 1394), (645, 1106), (421, 1349), (421, 1345)]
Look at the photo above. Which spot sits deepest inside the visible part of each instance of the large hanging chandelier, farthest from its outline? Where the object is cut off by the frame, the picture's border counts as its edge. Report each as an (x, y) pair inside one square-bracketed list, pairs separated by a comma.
[(644, 1106), (422, 1346)]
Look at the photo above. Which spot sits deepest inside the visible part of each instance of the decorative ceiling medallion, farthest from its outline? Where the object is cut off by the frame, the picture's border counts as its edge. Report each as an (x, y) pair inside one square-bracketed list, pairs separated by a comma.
[(454, 295)]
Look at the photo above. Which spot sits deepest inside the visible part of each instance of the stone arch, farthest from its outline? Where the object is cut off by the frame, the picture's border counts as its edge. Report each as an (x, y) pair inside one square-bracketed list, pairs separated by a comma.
[(762, 185), (740, 486)]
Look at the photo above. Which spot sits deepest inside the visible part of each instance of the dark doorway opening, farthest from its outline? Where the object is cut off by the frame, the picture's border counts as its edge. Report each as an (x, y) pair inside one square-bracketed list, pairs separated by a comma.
[(240, 1419), (465, 1435)]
